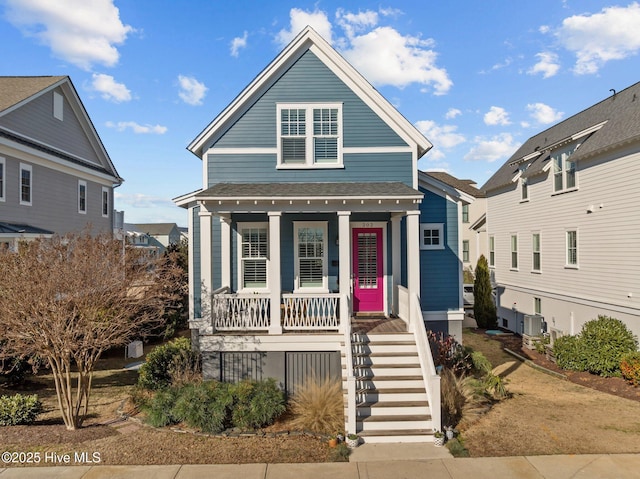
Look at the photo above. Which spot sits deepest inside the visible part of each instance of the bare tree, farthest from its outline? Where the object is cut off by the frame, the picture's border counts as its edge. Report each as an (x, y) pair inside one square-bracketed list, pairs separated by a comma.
[(68, 299)]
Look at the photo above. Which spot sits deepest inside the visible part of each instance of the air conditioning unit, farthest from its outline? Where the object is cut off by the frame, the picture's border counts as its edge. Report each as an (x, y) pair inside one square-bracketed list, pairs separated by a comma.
[(533, 324), (134, 349)]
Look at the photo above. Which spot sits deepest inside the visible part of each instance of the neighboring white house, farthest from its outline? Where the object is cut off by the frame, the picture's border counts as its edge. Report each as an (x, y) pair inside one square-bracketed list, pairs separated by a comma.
[(160, 235), (564, 233), (473, 228), (55, 174)]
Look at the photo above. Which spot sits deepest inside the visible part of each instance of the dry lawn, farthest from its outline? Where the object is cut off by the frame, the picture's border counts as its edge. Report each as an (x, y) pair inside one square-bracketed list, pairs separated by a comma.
[(547, 415)]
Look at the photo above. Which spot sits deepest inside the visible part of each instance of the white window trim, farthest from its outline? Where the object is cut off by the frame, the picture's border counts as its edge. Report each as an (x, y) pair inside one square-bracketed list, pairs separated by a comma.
[(492, 243), (82, 183), (309, 163), (568, 265), (537, 310), (3, 171), (296, 263), (468, 251), (239, 228), (30, 170), (465, 207), (58, 106), (563, 166), (432, 226), (102, 202), (533, 268), (524, 186), (511, 251)]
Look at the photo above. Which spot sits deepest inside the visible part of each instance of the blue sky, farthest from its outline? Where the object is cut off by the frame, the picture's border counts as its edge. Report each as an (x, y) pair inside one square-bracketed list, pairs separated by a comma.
[(477, 78)]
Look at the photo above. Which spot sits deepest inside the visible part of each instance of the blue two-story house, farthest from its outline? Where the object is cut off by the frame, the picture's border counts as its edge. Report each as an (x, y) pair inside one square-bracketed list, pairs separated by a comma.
[(319, 249)]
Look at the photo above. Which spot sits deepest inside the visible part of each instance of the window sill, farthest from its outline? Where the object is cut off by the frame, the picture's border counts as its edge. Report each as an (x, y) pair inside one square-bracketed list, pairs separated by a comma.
[(562, 192), (514, 269), (571, 266), (24, 203), (536, 271), (431, 248), (524, 201), (319, 166)]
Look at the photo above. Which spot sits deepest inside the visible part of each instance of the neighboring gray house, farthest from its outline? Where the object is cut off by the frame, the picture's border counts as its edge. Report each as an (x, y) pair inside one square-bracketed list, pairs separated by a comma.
[(564, 233), (55, 174), (161, 235)]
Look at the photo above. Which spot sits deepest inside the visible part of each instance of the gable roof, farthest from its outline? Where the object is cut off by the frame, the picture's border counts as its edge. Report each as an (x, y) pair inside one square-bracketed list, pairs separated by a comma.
[(443, 188), (608, 124), (16, 91), (154, 229), (309, 39), (462, 185)]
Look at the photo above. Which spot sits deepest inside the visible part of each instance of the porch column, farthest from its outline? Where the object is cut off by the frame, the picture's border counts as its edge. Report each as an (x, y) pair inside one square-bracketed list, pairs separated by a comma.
[(396, 258), (225, 249), (344, 250), (413, 260), (275, 280), (206, 256)]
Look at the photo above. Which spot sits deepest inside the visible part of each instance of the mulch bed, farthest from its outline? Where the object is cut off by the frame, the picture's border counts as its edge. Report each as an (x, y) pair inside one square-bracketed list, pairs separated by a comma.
[(616, 386)]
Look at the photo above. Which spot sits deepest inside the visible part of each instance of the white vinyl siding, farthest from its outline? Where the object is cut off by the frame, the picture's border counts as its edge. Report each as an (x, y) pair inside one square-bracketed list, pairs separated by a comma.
[(309, 135), (310, 253), (26, 184), (82, 196), (431, 236), (253, 251)]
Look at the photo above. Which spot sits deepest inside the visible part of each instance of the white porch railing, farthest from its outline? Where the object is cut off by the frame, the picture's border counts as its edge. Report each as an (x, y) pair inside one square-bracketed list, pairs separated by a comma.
[(310, 311), (431, 378), (240, 311), (403, 305)]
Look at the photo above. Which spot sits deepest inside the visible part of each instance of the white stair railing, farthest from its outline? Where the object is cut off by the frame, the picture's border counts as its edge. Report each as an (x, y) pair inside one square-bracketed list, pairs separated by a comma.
[(350, 423), (431, 378)]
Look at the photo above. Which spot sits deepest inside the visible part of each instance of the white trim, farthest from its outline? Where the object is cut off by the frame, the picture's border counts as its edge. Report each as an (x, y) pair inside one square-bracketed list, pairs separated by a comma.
[(82, 183), (511, 251), (28, 168), (376, 149), (325, 257), (433, 227), (191, 261), (310, 136), (533, 252), (373, 224), (240, 226), (568, 265), (102, 202), (3, 179), (241, 151), (492, 264), (58, 106)]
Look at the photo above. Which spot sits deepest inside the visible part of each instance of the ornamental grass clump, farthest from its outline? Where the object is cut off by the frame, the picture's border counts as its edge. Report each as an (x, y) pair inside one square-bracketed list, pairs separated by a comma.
[(318, 406)]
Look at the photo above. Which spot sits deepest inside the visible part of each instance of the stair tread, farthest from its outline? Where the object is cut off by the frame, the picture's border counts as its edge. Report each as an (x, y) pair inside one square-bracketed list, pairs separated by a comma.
[(392, 390), (383, 366), (397, 432), (406, 417), (383, 404), (411, 377)]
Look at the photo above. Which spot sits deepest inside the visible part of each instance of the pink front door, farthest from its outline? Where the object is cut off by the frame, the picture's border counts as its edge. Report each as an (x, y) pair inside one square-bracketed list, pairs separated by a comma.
[(368, 284)]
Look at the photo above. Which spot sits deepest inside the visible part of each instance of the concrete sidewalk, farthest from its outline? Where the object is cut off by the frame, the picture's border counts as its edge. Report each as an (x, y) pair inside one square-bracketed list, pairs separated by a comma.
[(595, 466)]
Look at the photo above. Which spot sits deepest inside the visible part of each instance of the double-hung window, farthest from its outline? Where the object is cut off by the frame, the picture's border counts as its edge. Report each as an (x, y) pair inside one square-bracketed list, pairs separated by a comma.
[(514, 251), (311, 256), (25, 184), (105, 201), (564, 170), (432, 236), (492, 251), (535, 248), (572, 248), (82, 196), (253, 255), (465, 251), (309, 135), (465, 213)]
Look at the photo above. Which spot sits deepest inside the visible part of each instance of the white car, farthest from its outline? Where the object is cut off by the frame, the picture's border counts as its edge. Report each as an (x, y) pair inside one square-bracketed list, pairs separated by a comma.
[(467, 295)]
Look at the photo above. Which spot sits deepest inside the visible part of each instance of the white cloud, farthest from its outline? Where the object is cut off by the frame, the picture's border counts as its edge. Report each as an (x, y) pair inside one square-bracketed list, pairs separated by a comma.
[(137, 128), (238, 43), (380, 53), (544, 114), (82, 32), (612, 34), (443, 138), (547, 65), (299, 19), (498, 147), (544, 29), (191, 90), (109, 88), (452, 113), (140, 200), (496, 116)]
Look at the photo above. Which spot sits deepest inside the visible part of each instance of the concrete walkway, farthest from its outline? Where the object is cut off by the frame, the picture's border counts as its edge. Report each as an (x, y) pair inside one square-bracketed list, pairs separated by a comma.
[(370, 461)]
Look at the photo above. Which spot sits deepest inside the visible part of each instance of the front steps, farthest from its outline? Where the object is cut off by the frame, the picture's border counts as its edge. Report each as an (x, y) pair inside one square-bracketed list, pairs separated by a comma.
[(392, 403)]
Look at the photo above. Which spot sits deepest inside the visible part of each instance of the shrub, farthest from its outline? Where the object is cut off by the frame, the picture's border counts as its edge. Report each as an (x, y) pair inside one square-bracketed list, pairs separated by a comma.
[(165, 362), (449, 353), (160, 408), (257, 404), (19, 409), (630, 367), (598, 348), (318, 406), (480, 363), (484, 309), (205, 406)]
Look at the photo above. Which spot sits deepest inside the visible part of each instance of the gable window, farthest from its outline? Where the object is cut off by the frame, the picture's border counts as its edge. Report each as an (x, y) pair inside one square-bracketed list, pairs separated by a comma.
[(492, 251), (2, 179), (564, 170), (535, 247), (524, 189), (310, 251), (253, 255), (25, 184), (465, 251), (309, 135), (431, 236), (514, 251), (465, 213), (572, 248), (105, 201), (82, 196), (58, 106)]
